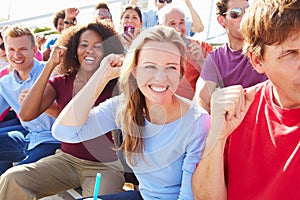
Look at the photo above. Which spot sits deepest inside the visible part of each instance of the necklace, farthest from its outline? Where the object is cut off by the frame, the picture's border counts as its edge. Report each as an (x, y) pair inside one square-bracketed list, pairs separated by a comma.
[(77, 79)]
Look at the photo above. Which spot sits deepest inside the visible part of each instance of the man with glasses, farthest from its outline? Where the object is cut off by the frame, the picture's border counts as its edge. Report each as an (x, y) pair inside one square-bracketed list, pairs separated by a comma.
[(227, 65), (194, 25), (102, 12)]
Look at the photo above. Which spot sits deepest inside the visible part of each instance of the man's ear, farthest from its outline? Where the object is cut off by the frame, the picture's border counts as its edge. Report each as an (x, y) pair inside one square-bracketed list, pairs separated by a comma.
[(221, 20), (256, 62)]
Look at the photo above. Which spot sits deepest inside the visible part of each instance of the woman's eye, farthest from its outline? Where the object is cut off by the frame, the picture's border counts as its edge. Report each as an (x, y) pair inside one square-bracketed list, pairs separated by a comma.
[(149, 67), (172, 68), (98, 45), (84, 44)]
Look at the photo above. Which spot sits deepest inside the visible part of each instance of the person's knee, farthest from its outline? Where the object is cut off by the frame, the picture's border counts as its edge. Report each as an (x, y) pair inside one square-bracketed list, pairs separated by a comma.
[(115, 178), (9, 177), (12, 173), (112, 181), (15, 184)]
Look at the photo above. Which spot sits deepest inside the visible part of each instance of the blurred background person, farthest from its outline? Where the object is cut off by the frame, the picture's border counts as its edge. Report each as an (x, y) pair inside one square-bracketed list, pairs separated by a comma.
[(194, 25), (3, 58), (171, 15), (131, 24), (61, 20)]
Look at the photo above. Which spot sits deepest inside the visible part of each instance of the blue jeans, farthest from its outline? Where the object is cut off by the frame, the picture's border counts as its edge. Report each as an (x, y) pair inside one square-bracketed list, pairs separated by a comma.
[(128, 195), (10, 120), (13, 148), (12, 143), (38, 152)]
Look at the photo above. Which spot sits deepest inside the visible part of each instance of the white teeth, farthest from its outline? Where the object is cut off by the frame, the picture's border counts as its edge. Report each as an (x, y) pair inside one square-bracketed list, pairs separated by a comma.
[(158, 89), (89, 58), (18, 62)]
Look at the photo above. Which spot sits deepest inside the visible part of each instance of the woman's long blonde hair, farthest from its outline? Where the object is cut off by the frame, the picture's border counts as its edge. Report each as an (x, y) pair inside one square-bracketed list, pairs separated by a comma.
[(132, 109)]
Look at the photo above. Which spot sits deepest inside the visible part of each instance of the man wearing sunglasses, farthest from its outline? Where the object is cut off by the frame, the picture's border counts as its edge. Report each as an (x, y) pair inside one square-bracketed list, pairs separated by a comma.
[(103, 14), (227, 65), (194, 25)]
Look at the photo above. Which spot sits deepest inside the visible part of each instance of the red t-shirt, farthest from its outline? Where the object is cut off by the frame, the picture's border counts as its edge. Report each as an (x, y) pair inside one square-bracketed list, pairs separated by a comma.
[(192, 72), (263, 153), (97, 149)]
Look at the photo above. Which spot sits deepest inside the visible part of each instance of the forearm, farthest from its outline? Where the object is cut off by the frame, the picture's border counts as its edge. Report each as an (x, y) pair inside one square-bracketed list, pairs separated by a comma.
[(46, 54), (53, 110), (77, 110), (132, 2), (31, 105), (69, 21), (208, 180), (204, 90), (197, 25)]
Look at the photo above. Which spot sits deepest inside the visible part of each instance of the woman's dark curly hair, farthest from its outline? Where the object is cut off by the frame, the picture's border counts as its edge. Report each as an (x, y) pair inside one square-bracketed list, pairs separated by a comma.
[(70, 39), (58, 15)]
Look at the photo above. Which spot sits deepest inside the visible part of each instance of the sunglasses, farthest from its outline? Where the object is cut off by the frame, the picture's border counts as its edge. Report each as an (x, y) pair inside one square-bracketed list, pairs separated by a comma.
[(163, 1), (2, 46), (104, 14), (235, 12)]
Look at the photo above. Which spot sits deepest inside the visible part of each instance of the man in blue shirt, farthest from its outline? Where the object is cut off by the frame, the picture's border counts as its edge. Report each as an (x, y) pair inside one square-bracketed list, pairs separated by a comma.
[(34, 140)]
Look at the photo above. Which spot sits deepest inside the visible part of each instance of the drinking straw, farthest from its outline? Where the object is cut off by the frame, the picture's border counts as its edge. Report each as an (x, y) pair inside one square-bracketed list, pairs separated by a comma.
[(97, 186)]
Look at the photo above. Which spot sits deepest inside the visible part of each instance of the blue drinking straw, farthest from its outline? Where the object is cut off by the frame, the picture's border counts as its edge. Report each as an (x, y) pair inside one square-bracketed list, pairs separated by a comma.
[(97, 186)]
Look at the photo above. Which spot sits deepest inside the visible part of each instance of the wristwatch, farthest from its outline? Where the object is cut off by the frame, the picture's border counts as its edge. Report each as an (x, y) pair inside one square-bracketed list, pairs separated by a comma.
[(73, 22)]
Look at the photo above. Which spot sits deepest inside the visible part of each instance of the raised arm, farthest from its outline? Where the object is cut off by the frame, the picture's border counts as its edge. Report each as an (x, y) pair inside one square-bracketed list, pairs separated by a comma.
[(132, 2), (86, 97), (204, 90), (41, 95), (70, 17), (197, 25), (228, 108)]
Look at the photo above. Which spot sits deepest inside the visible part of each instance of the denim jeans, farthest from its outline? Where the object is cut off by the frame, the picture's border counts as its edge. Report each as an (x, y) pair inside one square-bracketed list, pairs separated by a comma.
[(12, 144), (38, 152), (13, 148), (10, 120), (127, 195)]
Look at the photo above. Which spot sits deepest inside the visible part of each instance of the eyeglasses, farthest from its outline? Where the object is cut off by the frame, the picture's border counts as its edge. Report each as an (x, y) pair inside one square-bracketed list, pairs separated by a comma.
[(104, 14), (163, 1), (235, 12), (2, 46)]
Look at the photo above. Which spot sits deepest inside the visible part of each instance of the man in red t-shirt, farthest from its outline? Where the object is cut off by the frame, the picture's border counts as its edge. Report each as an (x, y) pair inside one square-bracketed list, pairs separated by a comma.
[(253, 148)]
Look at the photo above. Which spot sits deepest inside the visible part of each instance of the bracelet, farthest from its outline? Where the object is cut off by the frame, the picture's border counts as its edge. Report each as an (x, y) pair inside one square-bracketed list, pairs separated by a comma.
[(73, 22)]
